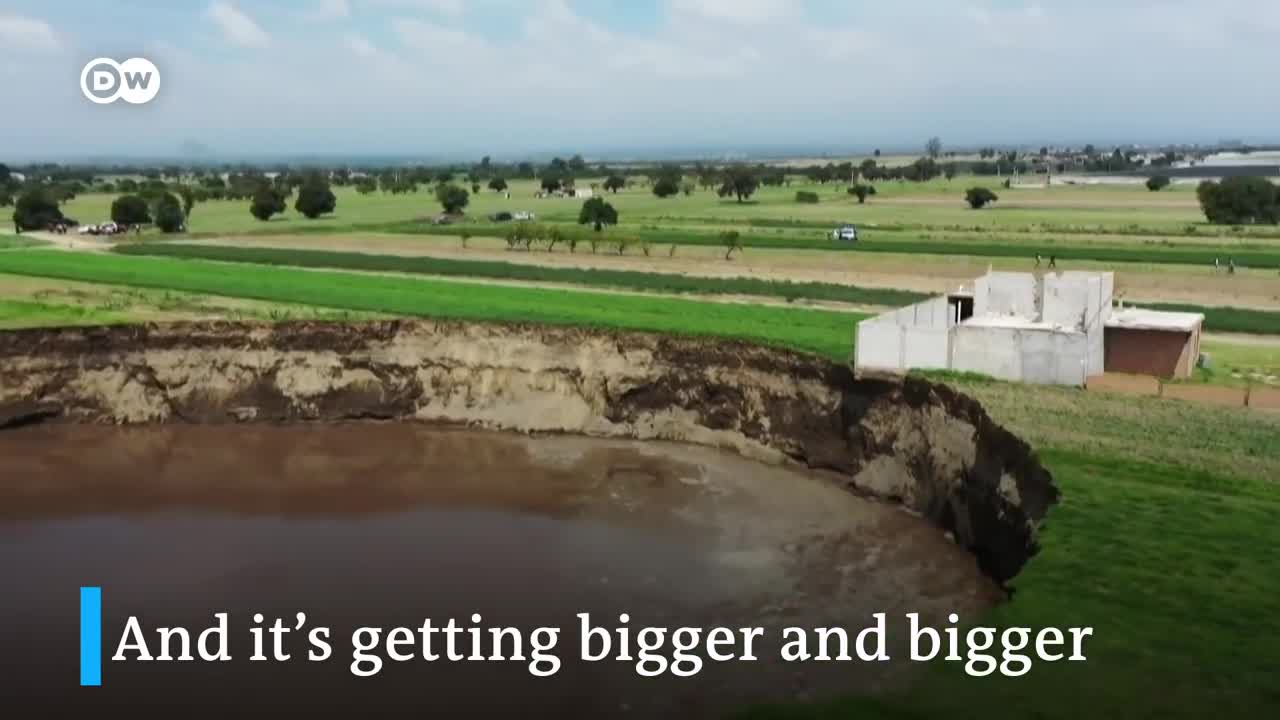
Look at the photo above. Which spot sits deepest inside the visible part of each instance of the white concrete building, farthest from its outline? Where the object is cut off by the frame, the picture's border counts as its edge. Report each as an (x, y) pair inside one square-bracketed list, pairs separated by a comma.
[(1012, 326)]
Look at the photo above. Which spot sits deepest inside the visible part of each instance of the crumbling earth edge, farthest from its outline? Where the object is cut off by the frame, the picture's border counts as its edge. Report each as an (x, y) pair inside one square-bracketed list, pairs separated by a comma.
[(908, 440)]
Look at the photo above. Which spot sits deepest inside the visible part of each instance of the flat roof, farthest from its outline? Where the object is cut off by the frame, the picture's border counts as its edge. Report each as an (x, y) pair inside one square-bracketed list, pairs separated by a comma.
[(1140, 319), (1015, 322)]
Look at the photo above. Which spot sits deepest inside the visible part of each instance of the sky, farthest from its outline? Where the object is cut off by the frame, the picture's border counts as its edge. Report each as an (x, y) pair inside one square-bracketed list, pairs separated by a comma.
[(513, 78)]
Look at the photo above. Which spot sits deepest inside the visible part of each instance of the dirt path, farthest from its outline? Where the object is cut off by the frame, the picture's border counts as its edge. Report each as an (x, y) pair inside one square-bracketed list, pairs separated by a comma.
[(71, 241)]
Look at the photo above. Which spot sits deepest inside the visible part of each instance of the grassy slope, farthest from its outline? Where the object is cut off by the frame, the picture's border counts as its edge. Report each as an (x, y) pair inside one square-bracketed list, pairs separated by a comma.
[(822, 332)]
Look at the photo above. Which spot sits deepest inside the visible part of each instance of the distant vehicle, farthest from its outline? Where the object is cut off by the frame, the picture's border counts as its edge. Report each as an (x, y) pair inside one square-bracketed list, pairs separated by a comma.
[(846, 233), (524, 215), (88, 229)]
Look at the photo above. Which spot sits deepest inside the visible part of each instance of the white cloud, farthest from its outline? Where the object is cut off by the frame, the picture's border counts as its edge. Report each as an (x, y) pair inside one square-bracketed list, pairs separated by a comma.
[(326, 10), (428, 36), (711, 71), (360, 46), (24, 33), (449, 8), (740, 11), (237, 27)]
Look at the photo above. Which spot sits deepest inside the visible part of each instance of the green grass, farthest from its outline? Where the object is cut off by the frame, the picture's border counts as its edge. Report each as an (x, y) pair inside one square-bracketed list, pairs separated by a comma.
[(817, 331), (13, 242), (622, 279), (24, 314)]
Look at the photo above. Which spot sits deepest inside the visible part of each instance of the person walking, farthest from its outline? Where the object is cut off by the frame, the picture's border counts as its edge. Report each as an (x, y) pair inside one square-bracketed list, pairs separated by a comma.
[(1053, 261)]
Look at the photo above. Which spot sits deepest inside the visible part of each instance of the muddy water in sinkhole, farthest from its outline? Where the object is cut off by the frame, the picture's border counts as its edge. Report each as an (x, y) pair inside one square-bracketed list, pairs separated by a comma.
[(384, 525)]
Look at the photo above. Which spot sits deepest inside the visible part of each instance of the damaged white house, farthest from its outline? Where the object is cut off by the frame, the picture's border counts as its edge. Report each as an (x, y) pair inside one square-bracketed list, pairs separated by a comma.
[(1053, 329)]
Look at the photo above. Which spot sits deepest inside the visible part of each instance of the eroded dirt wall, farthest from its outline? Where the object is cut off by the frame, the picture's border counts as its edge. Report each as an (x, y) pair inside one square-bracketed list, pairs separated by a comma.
[(910, 441)]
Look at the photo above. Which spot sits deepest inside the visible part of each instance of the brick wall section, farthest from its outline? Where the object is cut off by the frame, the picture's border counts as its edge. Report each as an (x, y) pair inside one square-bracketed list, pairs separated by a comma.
[(1151, 352)]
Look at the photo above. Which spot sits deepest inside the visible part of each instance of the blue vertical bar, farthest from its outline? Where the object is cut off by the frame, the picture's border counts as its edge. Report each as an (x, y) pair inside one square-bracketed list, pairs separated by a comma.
[(90, 636)]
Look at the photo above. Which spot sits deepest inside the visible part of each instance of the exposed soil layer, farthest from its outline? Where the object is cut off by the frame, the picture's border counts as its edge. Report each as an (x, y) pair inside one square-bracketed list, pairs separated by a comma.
[(910, 441)]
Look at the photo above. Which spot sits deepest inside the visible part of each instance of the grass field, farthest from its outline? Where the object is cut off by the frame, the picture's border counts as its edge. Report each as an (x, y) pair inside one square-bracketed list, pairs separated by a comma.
[(897, 207), (823, 332)]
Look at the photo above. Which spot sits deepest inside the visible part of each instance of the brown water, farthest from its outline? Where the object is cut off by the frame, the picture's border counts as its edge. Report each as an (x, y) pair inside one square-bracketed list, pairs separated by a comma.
[(387, 524)]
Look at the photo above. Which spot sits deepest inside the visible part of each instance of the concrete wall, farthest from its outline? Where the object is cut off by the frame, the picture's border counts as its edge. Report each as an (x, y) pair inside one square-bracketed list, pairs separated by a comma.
[(1161, 353), (1077, 299), (1022, 355), (1002, 293), (916, 336), (934, 313), (886, 345)]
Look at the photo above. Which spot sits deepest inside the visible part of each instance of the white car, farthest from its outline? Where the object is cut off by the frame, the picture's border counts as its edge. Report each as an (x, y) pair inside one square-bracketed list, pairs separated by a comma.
[(847, 233), (523, 215), (88, 230)]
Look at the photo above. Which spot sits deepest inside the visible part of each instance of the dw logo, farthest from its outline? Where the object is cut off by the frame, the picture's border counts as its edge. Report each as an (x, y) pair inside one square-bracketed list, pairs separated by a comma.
[(136, 80)]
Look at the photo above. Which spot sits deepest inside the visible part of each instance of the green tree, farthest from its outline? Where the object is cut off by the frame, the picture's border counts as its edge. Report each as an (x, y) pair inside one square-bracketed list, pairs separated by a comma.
[(452, 198), (740, 181), (732, 240), (189, 200), (614, 183), (266, 201), (35, 209), (597, 213), (933, 147), (169, 215), (979, 197), (130, 210), (1156, 183), (687, 187), (315, 198), (806, 197), (1240, 201), (666, 186), (861, 192), (498, 184)]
